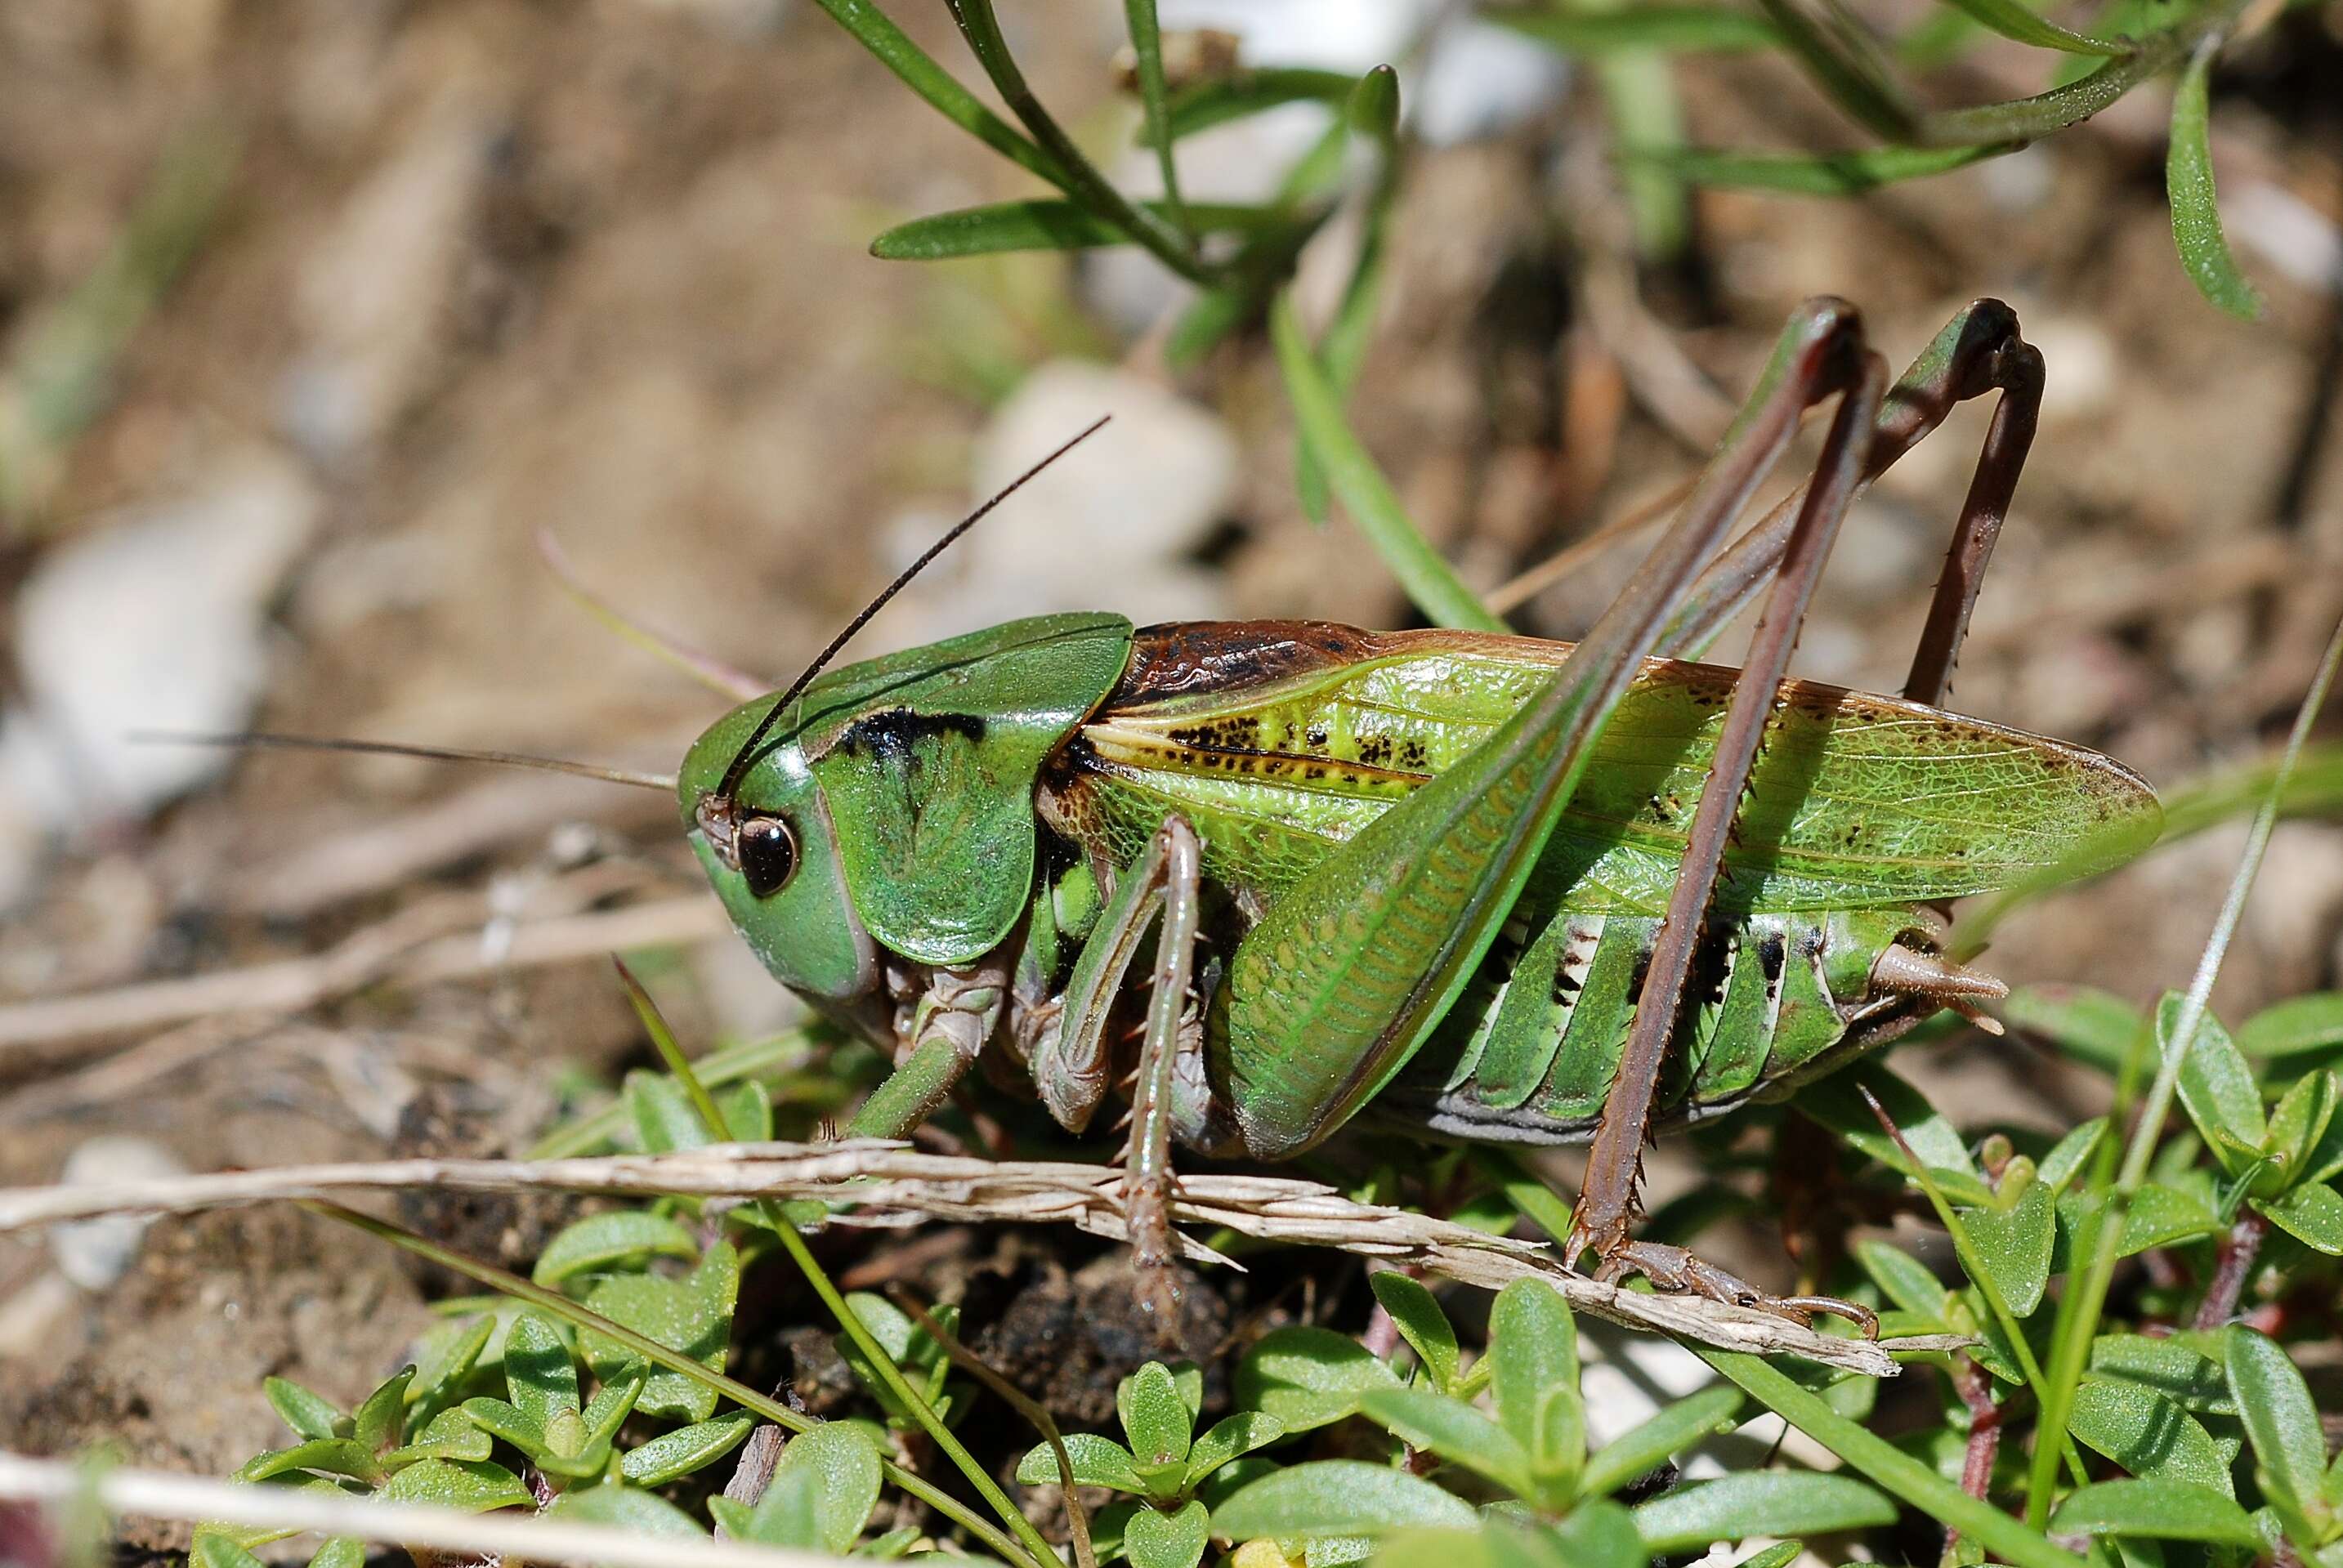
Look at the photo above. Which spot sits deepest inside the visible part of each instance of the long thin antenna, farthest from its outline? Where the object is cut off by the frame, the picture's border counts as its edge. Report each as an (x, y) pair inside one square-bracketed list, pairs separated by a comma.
[(741, 759), (263, 740)]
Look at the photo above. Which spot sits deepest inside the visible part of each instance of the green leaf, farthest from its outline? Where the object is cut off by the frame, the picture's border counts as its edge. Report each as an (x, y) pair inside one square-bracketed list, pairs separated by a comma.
[(1780, 1555), (1339, 1497), (676, 1453), (664, 1116), (2189, 183), (450, 1434), (473, 1486), (2298, 1124), (381, 1416), (1838, 1104), (1595, 1534), (1042, 224), (1670, 29), (2160, 1215), (1308, 1377), (1904, 1279), (1814, 174), (1535, 1342), (625, 1508), (2160, 1509), (2273, 1404), (311, 1415), (2065, 1161), (448, 1357), (340, 1551), (2174, 1367), (2300, 1026), (1898, 1472), (1638, 1451), (1154, 1417), (539, 1370), (600, 1242), (2014, 1246), (1364, 493), (1416, 1313), (1155, 1540), (1246, 93), (2216, 1086), (2311, 1213), (2146, 1433), (747, 1108), (1455, 1431), (930, 81), (692, 1314), (1847, 68), (845, 1468), (1097, 1461), (212, 1550), (330, 1455), (1230, 1438), (2014, 21), (1757, 1502), (784, 1516), (2093, 1026)]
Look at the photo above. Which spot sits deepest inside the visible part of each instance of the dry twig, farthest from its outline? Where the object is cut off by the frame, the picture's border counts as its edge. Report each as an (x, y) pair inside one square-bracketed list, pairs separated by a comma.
[(894, 1185)]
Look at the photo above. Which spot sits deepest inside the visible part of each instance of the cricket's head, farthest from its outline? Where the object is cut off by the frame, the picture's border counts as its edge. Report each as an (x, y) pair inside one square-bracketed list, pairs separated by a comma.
[(888, 808)]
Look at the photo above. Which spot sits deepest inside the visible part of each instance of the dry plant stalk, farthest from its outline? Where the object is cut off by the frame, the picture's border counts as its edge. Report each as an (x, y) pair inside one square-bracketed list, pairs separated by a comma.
[(893, 1185)]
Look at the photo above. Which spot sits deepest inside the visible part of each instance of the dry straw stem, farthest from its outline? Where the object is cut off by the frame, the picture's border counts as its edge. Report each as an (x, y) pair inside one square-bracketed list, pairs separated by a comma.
[(894, 1185), (157, 1494)]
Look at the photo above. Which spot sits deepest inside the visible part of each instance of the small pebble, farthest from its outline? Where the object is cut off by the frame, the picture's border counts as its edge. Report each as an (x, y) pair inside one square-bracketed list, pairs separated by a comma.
[(95, 1253)]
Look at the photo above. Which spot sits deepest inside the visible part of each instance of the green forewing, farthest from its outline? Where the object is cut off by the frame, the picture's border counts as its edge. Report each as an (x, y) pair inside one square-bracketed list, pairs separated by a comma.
[(928, 760), (1857, 800)]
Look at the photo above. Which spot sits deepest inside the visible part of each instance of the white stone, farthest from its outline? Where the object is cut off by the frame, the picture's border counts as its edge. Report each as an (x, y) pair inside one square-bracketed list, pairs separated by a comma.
[(95, 1253)]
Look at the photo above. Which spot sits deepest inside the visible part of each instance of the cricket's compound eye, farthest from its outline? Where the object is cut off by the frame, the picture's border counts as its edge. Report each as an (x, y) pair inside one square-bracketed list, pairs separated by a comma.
[(769, 854)]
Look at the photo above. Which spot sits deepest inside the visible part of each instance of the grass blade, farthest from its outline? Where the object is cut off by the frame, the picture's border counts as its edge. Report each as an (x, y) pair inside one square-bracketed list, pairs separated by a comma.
[(2188, 181), (1428, 579), (1373, 113), (1890, 1467), (1147, 44), (876, 32), (1046, 225), (2014, 21), (1214, 103), (1836, 57), (1816, 173)]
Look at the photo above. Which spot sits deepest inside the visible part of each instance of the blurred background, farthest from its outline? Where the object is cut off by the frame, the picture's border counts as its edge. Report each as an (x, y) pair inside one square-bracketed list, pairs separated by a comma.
[(314, 317)]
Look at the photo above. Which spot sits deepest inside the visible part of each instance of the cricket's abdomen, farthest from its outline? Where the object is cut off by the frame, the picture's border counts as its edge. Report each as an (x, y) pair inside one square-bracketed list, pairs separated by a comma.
[(1279, 741), (1528, 1053)]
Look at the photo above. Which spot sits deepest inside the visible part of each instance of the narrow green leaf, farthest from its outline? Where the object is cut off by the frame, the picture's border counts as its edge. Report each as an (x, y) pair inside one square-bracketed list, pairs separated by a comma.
[(2300, 1026), (2311, 1213), (1416, 1313), (2273, 1404), (2158, 1510), (381, 1417), (1230, 1439), (1892, 1469), (474, 1486), (1838, 1104), (213, 1549), (1454, 1431), (2065, 1159), (450, 1434), (1842, 61), (1669, 29), (308, 1414), (1814, 173), (2146, 1433), (1308, 1377), (1147, 51), (1156, 1419), (2175, 1367), (2298, 1122), (340, 1551), (664, 1116), (1642, 1449), (2216, 1086), (1339, 1497), (329, 1455), (1097, 1461), (1533, 1341), (2014, 21), (625, 1508), (1906, 1281), (930, 81), (1234, 97), (2189, 183), (1757, 1502), (1042, 225), (1428, 579)]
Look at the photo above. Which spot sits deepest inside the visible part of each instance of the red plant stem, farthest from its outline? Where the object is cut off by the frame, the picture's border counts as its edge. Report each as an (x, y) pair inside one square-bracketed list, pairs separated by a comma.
[(1975, 1389), (2238, 1249)]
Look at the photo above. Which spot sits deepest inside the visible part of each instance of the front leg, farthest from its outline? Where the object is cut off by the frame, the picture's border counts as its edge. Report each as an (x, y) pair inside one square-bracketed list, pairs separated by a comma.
[(958, 1008)]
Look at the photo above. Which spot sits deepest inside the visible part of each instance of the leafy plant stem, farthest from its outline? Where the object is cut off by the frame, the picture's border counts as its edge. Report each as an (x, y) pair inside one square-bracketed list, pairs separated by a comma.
[(1082, 181), (2022, 119), (793, 1242), (2239, 1248), (1906, 1477), (1984, 1445), (558, 1305), (2078, 1315)]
